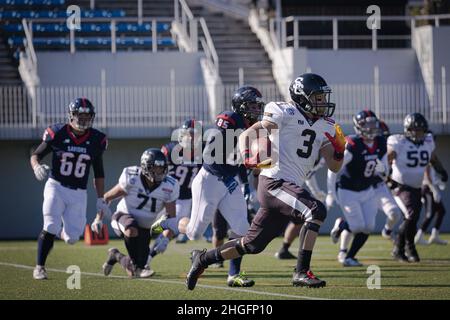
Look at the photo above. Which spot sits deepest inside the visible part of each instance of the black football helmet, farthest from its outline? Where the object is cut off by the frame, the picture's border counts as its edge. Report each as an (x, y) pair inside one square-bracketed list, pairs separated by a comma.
[(81, 114), (415, 126), (366, 124), (154, 165), (384, 129), (248, 102), (312, 94), (189, 134)]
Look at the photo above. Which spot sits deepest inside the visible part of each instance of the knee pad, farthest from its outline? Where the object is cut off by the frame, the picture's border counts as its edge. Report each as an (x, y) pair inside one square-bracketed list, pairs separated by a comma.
[(312, 226), (319, 212), (46, 235), (239, 248)]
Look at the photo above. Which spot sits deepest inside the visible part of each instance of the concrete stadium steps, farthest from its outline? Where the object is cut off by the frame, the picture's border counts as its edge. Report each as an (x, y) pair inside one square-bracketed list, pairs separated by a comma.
[(9, 74), (237, 47)]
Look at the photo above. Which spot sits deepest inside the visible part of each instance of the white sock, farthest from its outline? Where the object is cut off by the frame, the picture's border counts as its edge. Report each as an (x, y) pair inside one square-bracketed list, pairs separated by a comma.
[(346, 237)]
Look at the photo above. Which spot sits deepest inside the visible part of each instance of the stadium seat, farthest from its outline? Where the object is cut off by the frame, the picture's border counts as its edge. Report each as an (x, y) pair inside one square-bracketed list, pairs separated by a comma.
[(32, 2), (15, 14), (92, 41), (89, 27)]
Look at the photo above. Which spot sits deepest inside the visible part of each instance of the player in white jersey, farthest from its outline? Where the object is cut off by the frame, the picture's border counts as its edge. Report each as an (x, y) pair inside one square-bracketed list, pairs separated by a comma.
[(409, 154), (300, 131), (434, 207), (144, 190)]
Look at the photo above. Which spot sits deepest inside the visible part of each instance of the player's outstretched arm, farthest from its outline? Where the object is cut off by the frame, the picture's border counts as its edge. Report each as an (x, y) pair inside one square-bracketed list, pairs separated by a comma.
[(329, 154), (437, 165)]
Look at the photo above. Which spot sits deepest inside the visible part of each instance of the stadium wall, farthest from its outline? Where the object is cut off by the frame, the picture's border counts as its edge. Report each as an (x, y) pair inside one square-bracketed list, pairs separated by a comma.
[(356, 66), (141, 68), (22, 195)]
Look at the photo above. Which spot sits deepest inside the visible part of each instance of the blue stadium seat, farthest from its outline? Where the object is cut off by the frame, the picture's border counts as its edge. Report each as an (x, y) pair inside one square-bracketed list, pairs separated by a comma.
[(93, 41), (15, 14), (89, 27), (32, 2)]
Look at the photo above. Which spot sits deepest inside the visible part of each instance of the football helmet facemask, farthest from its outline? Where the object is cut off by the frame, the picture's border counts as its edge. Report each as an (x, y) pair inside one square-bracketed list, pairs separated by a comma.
[(189, 135), (366, 124), (81, 114), (415, 126), (248, 102), (312, 95), (154, 165)]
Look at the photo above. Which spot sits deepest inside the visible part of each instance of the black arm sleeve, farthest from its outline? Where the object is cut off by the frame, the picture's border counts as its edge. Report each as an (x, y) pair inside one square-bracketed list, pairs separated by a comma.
[(243, 174), (97, 165), (42, 150)]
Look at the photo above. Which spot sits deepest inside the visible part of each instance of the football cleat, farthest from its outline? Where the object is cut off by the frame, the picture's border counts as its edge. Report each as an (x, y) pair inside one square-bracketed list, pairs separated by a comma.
[(352, 262), (109, 264), (307, 279), (336, 232), (387, 234), (144, 273), (240, 280), (419, 239), (434, 238), (412, 255), (39, 273), (157, 228), (196, 269), (341, 256), (284, 255), (399, 255), (182, 238)]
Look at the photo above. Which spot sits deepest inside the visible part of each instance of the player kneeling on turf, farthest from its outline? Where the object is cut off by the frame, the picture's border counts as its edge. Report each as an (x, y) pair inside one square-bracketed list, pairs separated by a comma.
[(144, 192)]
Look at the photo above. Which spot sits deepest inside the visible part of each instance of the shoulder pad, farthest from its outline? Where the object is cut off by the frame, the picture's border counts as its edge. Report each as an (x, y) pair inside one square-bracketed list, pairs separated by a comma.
[(51, 131), (429, 137)]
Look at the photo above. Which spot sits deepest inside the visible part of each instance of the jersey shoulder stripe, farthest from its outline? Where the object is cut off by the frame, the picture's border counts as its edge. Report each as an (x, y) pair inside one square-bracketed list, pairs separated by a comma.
[(170, 180), (133, 170), (329, 120), (51, 131)]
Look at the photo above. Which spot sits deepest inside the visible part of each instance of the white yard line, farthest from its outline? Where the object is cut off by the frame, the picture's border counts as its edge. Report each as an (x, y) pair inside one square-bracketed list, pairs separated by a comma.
[(270, 294)]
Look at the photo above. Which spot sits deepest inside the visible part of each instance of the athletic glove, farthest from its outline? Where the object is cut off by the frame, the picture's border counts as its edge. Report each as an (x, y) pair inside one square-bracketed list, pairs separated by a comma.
[(380, 168), (230, 183), (97, 225), (161, 244), (41, 171), (338, 142)]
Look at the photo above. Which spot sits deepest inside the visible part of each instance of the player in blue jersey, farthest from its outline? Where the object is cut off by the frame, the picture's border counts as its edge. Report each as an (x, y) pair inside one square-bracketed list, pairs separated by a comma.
[(215, 186), (365, 158), (75, 147)]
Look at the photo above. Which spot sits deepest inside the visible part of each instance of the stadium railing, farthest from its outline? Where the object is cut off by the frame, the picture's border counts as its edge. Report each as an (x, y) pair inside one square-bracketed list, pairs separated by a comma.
[(124, 109), (297, 31)]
